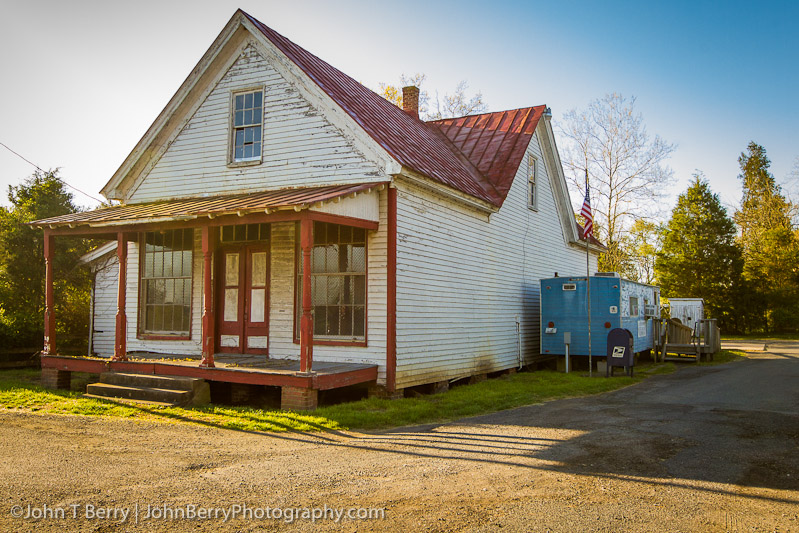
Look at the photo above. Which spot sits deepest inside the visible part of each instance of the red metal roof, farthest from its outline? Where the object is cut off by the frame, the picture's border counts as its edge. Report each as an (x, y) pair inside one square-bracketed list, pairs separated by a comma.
[(196, 207), (494, 142), (410, 141)]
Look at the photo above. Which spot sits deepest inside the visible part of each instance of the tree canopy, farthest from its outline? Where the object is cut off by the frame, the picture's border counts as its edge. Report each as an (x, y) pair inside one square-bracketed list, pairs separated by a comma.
[(699, 257), (770, 245), (40, 196), (608, 143)]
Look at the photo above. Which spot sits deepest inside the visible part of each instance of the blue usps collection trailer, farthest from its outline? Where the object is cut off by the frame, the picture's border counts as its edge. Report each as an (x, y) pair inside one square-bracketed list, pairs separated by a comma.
[(615, 303)]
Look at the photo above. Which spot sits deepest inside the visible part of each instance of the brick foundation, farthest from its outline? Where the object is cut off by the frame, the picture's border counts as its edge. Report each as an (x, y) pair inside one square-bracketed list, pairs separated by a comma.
[(298, 398), (380, 391), (52, 378)]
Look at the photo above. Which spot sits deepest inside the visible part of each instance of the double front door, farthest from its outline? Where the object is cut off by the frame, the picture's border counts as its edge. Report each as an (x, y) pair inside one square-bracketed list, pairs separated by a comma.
[(242, 283)]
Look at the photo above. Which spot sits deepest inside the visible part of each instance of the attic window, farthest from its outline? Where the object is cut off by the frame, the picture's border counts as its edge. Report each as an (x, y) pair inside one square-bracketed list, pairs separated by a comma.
[(247, 122), (532, 176)]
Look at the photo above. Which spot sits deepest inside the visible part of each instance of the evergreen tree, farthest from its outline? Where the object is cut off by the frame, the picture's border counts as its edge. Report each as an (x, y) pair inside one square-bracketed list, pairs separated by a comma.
[(22, 267), (699, 257), (770, 246)]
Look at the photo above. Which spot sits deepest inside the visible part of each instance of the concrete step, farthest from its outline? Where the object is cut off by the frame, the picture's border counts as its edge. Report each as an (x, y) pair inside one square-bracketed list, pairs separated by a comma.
[(146, 403), (170, 396), (149, 380)]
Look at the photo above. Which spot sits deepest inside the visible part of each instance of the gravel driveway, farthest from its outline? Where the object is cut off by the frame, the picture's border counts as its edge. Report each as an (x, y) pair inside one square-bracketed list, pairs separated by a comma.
[(704, 449)]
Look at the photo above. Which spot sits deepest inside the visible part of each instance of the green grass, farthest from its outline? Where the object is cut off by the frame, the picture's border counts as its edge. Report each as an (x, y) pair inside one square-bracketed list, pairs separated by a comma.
[(19, 390), (489, 396), (762, 336), (724, 356)]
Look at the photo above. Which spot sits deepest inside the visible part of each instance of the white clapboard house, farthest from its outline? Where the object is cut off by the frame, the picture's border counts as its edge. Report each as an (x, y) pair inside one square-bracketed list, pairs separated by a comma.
[(277, 208)]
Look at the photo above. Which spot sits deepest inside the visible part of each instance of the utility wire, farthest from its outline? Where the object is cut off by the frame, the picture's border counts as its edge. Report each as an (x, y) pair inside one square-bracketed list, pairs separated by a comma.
[(40, 169)]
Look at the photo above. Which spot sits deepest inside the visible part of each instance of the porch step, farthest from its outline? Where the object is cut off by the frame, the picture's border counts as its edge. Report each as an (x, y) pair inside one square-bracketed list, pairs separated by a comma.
[(145, 403), (174, 397), (151, 388), (149, 380)]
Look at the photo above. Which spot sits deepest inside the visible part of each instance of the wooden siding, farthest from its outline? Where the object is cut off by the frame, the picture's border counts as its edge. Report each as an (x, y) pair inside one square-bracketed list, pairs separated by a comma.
[(300, 146), (104, 301), (365, 206), (281, 323), (463, 280)]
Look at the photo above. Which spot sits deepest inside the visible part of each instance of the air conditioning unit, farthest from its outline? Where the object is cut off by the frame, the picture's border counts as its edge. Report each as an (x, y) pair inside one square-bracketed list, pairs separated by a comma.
[(650, 310), (607, 274)]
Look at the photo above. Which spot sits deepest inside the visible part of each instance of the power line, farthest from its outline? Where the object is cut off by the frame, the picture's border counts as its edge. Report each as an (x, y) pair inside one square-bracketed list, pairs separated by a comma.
[(40, 169)]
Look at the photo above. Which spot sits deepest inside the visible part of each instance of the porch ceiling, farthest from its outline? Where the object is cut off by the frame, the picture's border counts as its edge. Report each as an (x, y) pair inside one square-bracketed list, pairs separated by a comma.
[(297, 199)]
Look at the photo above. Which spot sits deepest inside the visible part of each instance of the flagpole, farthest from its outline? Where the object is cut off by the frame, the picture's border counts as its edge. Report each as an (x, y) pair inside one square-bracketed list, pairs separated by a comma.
[(588, 286)]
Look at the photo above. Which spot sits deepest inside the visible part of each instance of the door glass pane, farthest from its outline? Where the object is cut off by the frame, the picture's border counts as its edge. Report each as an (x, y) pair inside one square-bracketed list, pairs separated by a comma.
[(231, 269), (231, 305), (259, 269), (257, 305)]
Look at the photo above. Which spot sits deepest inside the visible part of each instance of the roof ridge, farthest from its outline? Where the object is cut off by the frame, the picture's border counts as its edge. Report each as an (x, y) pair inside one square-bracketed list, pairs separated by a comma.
[(481, 114)]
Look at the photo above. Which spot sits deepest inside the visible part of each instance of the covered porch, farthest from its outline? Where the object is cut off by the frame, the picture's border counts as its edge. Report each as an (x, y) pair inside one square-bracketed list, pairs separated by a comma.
[(217, 277)]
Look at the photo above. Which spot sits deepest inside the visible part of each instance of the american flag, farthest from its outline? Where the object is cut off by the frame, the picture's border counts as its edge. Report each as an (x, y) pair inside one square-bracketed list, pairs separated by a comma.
[(588, 230)]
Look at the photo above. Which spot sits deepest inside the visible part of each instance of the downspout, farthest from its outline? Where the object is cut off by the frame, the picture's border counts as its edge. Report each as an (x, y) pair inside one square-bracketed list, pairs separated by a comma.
[(519, 340)]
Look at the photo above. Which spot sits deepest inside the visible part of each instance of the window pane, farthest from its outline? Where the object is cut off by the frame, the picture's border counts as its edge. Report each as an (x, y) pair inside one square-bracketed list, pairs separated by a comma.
[(332, 321), (231, 305), (239, 153), (232, 269), (240, 233), (186, 263), (258, 98), (227, 233), (359, 322), (358, 262), (239, 101), (256, 149), (359, 290), (256, 116), (259, 269), (248, 100), (248, 117), (318, 290), (257, 305)]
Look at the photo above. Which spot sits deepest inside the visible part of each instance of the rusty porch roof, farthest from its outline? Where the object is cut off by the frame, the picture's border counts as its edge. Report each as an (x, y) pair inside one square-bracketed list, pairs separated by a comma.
[(192, 208)]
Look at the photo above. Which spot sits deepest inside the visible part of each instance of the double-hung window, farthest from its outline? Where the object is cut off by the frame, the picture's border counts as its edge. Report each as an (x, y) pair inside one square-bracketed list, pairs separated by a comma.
[(166, 282), (247, 125), (633, 306), (338, 282), (532, 175)]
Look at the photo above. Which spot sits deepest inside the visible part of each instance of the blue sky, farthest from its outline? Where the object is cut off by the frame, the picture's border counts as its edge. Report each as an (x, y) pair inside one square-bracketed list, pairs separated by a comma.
[(82, 81)]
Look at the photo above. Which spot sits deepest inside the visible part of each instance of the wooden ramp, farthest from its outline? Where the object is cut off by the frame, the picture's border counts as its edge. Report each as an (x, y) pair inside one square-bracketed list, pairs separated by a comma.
[(677, 342)]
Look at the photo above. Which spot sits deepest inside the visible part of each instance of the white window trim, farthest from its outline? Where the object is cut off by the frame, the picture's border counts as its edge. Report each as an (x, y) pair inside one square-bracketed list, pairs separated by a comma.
[(532, 181), (232, 161)]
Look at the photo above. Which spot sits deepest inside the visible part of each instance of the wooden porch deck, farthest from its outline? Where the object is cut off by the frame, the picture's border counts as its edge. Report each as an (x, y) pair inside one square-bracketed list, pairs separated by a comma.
[(230, 368)]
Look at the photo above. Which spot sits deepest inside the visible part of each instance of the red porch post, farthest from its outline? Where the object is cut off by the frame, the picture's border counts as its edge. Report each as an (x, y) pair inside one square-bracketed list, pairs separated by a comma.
[(49, 299), (208, 299), (121, 334), (306, 323)]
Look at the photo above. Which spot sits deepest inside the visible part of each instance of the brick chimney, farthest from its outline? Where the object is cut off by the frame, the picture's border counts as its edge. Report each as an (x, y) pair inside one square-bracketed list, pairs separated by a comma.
[(410, 100)]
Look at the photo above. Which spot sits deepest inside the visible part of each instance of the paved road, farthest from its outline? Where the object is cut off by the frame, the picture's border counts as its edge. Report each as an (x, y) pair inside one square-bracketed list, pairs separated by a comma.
[(704, 449)]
